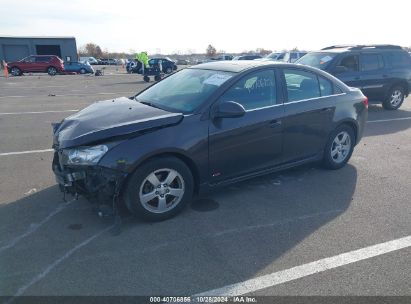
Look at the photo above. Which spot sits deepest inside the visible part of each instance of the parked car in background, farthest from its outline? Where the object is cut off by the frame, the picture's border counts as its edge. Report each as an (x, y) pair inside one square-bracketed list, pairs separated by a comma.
[(247, 57), (109, 61), (167, 64), (292, 56), (78, 67), (382, 72), (90, 60), (275, 56), (204, 127), (121, 61), (182, 62), (221, 58), (50, 64)]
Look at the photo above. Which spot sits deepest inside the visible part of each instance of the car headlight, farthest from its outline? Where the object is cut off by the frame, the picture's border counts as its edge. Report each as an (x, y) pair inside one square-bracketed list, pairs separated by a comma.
[(85, 155)]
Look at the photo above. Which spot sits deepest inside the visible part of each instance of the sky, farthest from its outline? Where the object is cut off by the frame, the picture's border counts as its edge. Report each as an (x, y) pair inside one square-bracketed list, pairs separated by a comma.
[(186, 26)]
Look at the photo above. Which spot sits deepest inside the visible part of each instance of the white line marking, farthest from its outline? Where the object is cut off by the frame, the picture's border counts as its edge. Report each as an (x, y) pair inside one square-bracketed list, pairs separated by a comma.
[(34, 227), (392, 119), (26, 152), (14, 96), (43, 112), (304, 270), (57, 262), (63, 95)]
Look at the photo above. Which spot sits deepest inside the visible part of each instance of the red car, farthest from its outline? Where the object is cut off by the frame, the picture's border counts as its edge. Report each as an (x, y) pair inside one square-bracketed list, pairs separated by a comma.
[(37, 64)]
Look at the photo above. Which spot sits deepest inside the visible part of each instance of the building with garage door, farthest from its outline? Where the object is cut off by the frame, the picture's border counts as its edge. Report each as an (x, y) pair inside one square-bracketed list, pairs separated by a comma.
[(15, 48)]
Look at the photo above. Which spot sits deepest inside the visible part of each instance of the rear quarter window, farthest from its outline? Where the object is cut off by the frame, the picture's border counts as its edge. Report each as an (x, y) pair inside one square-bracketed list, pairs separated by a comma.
[(398, 59)]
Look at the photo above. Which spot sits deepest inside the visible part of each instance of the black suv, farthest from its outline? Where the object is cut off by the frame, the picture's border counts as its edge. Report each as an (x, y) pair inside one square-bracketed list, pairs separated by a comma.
[(382, 72)]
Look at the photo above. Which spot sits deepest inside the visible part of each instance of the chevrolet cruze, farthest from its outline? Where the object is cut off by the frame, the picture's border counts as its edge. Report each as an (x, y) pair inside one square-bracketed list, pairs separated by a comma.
[(204, 127)]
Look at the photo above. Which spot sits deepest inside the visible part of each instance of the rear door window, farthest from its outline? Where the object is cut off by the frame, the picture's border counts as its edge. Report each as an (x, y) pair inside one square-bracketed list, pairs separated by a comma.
[(350, 63), (42, 59), (301, 85), (371, 62)]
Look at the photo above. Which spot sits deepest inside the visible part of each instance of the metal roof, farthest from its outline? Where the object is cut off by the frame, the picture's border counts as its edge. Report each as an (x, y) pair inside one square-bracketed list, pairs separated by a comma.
[(37, 37)]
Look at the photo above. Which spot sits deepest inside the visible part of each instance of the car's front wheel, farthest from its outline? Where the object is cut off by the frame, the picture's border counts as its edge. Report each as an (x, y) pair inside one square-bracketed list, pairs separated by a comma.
[(168, 70), (159, 189), (83, 71), (51, 71), (339, 147), (395, 98)]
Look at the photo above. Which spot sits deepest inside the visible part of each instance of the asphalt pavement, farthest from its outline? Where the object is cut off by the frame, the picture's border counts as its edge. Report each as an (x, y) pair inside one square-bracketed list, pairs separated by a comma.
[(261, 230)]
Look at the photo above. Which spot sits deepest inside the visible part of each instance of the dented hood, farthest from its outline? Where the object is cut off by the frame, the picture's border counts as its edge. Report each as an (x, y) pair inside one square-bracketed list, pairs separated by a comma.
[(110, 118)]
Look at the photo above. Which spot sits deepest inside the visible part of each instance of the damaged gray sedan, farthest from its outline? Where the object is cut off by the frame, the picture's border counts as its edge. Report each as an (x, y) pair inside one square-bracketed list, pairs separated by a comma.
[(203, 127)]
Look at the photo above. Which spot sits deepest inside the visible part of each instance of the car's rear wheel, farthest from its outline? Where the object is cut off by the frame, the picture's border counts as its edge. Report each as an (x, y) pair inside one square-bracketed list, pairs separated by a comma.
[(339, 147), (83, 71), (51, 71), (395, 98), (15, 71), (159, 189)]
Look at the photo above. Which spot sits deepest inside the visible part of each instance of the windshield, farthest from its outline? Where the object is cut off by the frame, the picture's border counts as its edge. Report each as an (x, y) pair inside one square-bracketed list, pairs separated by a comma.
[(184, 91), (273, 55), (317, 60)]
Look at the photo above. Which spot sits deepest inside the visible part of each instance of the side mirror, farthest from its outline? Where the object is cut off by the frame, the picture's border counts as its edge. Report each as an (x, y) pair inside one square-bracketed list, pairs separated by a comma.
[(228, 109), (340, 69)]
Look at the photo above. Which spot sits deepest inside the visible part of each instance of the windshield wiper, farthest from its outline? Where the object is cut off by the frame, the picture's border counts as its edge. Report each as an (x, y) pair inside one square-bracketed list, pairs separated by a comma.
[(150, 104)]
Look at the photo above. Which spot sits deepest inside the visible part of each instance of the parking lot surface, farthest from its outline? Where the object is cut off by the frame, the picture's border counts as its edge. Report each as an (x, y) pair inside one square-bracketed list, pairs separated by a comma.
[(246, 231)]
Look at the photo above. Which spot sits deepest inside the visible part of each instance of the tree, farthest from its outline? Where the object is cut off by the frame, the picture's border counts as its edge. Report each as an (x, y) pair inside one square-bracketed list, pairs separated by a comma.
[(263, 51), (211, 51), (90, 49)]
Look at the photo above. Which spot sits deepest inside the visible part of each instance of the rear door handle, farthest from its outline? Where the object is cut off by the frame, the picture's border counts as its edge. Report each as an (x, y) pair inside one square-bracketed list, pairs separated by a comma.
[(274, 123)]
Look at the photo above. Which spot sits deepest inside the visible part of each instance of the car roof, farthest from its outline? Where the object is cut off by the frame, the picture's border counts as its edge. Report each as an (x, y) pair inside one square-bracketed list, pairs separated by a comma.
[(237, 66), (350, 48)]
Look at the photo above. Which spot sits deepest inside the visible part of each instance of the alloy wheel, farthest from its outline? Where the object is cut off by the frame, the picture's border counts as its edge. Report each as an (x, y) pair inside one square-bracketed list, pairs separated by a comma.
[(341, 147), (162, 190), (396, 98)]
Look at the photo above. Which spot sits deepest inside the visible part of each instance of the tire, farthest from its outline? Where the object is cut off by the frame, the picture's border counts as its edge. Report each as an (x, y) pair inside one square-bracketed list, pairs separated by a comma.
[(146, 79), (168, 70), (157, 78), (83, 71), (395, 98), (150, 179), (51, 71), (15, 71), (339, 147)]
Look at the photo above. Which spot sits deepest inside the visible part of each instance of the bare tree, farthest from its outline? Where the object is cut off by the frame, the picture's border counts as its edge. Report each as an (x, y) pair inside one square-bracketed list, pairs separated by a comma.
[(211, 51), (263, 51)]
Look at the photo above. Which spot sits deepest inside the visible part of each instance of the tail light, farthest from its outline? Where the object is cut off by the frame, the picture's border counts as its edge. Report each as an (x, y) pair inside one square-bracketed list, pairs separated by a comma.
[(365, 101)]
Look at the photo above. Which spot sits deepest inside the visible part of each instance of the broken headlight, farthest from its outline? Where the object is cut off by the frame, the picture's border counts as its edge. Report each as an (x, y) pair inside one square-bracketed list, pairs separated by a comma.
[(84, 155)]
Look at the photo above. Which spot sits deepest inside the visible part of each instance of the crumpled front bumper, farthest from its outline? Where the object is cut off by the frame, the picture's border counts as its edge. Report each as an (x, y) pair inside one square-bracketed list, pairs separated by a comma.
[(96, 183)]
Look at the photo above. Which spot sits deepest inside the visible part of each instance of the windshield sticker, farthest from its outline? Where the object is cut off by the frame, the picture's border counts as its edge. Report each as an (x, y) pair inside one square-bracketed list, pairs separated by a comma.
[(325, 59), (217, 79)]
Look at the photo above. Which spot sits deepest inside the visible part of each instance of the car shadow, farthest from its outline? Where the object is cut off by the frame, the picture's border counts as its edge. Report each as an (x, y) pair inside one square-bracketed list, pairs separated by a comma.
[(248, 228), (377, 113)]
